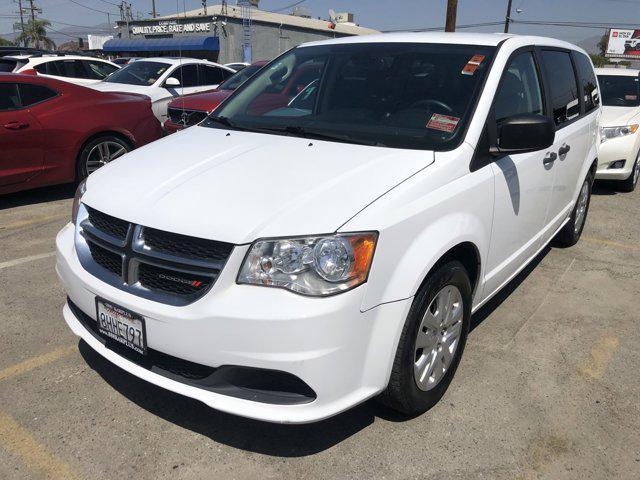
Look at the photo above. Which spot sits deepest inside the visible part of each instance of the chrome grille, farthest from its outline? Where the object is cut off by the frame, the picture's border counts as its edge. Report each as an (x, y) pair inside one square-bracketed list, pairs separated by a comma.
[(186, 117), (162, 266)]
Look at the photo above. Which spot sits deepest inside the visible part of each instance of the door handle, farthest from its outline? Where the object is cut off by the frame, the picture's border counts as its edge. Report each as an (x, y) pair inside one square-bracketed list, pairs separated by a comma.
[(16, 125), (550, 158), (564, 149)]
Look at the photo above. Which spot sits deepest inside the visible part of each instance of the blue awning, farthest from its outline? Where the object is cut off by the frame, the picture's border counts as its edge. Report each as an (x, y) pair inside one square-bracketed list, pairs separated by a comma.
[(162, 44)]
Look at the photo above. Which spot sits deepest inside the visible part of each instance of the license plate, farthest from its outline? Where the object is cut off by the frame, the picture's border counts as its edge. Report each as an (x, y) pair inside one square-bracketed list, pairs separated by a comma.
[(121, 325)]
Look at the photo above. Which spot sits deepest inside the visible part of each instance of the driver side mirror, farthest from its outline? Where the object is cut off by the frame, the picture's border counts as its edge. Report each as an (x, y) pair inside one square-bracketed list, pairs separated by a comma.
[(523, 133), (172, 82)]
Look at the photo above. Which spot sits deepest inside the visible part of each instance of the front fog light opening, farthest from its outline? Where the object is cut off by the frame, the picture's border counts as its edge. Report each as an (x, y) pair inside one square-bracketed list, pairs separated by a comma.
[(313, 266), (616, 165)]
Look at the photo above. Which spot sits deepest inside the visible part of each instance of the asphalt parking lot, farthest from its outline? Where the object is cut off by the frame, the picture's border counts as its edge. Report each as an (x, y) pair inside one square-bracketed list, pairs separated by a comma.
[(548, 386)]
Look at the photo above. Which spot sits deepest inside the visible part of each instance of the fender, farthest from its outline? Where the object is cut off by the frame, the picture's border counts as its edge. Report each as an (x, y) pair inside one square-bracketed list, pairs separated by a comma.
[(422, 219)]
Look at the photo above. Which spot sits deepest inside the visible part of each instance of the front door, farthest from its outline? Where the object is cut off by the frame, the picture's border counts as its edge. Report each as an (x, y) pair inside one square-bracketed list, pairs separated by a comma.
[(21, 154), (523, 182)]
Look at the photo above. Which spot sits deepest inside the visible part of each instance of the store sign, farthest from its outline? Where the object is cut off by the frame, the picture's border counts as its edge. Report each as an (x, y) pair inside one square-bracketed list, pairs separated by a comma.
[(170, 26), (623, 42)]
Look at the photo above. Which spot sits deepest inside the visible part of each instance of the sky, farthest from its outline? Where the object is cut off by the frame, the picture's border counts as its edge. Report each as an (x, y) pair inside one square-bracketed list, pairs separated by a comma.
[(378, 14)]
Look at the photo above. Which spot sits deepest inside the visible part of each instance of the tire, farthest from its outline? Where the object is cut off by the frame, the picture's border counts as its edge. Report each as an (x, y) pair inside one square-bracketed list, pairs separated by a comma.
[(571, 232), (94, 154), (404, 392), (629, 185)]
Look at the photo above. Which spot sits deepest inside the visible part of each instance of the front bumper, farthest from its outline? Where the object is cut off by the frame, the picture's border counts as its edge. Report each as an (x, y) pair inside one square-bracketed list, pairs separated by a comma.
[(343, 354), (621, 148)]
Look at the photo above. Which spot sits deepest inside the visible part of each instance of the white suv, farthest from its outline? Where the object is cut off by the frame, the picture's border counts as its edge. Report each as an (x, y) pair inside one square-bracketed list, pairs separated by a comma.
[(288, 259), (69, 68)]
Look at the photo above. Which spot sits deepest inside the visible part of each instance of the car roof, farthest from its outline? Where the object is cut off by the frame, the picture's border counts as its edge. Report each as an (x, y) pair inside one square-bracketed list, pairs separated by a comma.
[(621, 72), (454, 38), (178, 60)]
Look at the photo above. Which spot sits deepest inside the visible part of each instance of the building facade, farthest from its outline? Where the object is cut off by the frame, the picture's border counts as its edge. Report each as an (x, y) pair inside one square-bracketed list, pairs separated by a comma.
[(220, 34)]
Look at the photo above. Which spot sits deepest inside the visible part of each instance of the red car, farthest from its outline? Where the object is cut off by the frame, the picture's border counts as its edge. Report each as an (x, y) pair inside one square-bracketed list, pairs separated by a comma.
[(54, 132), (191, 109)]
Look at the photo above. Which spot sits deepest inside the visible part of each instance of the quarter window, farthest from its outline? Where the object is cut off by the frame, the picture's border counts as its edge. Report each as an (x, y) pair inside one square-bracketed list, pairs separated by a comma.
[(588, 82), (564, 89), (519, 91), (31, 94)]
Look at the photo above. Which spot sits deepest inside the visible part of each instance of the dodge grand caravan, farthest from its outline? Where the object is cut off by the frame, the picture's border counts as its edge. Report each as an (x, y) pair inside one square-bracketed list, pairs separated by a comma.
[(287, 263)]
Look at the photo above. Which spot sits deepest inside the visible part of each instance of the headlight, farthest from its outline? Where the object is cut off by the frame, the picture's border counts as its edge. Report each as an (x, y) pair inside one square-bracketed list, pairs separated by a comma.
[(315, 266), (607, 133), (77, 199)]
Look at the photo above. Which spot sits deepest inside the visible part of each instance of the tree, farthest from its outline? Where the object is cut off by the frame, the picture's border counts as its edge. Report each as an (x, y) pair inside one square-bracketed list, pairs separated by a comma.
[(602, 44), (35, 34), (4, 42)]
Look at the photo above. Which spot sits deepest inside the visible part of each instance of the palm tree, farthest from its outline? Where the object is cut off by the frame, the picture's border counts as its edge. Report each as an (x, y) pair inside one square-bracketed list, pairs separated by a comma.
[(35, 33)]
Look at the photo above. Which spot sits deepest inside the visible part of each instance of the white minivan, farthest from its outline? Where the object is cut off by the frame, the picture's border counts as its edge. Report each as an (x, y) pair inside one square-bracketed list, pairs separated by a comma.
[(291, 257)]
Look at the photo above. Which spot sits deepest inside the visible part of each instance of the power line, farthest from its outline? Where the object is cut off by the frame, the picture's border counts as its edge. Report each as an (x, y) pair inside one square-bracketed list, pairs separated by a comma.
[(94, 9)]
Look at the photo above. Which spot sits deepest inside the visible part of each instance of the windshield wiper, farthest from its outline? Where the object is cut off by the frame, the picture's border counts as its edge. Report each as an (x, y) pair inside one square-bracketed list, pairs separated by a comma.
[(304, 132)]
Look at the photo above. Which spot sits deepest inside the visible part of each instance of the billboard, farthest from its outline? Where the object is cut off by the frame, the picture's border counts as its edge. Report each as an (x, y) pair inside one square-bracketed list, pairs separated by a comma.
[(623, 43), (97, 41)]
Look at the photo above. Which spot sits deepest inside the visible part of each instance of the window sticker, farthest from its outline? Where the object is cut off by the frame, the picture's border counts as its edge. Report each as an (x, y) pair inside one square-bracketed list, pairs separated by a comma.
[(472, 65), (444, 123), (631, 97)]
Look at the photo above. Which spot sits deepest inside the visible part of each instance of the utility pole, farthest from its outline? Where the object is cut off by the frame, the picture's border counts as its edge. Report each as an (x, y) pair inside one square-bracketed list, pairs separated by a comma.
[(452, 8), (21, 14), (204, 7), (33, 11), (153, 8), (507, 19)]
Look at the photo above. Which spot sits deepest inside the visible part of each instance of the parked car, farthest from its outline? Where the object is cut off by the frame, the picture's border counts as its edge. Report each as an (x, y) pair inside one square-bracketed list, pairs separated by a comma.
[(237, 66), (191, 109), (288, 264), (162, 79), (122, 61), (620, 148), (70, 68), (55, 132)]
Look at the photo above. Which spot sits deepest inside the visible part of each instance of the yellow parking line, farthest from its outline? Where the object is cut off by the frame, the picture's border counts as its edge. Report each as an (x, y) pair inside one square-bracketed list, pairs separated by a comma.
[(19, 442), (36, 362), (611, 243), (34, 221), (601, 355)]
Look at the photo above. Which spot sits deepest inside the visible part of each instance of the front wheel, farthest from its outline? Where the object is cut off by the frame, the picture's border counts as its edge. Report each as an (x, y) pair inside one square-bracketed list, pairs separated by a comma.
[(571, 232), (629, 185), (431, 342), (98, 152)]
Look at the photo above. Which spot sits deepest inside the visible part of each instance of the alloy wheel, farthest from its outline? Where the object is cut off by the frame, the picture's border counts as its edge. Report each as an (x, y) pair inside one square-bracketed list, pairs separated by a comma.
[(103, 153), (636, 172), (438, 337), (581, 210)]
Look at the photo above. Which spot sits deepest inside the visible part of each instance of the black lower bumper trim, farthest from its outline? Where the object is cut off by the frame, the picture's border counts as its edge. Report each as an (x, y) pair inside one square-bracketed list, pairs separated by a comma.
[(255, 384)]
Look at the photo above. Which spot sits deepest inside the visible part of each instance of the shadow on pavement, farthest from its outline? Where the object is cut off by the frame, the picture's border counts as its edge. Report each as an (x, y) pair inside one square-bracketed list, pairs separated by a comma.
[(604, 187), (39, 195)]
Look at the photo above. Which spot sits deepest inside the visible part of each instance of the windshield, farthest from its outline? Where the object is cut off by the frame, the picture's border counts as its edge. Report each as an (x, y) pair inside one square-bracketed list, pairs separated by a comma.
[(139, 73), (619, 90), (238, 78), (402, 95)]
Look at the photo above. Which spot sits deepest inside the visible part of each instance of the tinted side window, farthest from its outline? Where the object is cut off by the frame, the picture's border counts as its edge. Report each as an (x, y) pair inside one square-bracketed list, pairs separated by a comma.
[(587, 81), (49, 68), (9, 98), (187, 74), (519, 90), (32, 94), (563, 86), (210, 75)]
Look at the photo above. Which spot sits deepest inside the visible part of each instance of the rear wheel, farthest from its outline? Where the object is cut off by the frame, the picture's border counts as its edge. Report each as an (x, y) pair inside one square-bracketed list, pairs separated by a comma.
[(571, 232), (629, 185), (98, 152), (432, 341)]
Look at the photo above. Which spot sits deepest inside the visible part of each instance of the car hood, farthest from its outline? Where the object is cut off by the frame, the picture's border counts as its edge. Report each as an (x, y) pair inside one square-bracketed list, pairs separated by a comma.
[(238, 186), (148, 91), (617, 116), (206, 101)]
